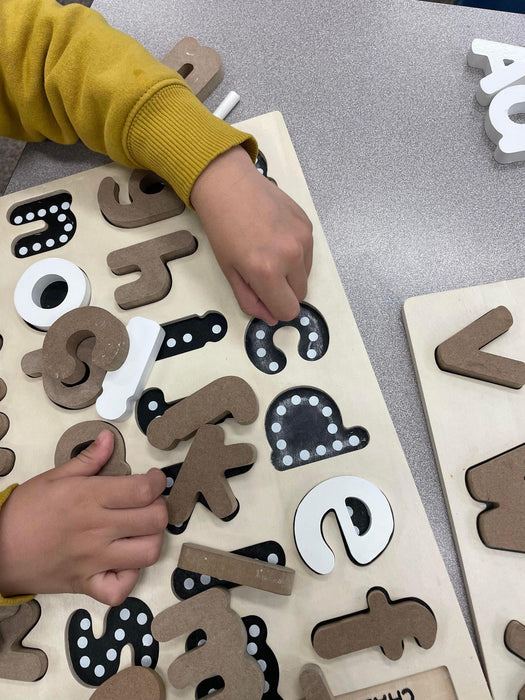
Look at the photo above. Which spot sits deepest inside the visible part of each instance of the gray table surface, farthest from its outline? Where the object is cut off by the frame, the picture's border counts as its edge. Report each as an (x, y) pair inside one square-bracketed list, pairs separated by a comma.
[(380, 105)]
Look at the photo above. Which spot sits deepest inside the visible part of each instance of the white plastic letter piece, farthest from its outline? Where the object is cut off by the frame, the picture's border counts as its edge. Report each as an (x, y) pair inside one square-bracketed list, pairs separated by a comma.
[(508, 135), (332, 495), (37, 278), (121, 388), (503, 65)]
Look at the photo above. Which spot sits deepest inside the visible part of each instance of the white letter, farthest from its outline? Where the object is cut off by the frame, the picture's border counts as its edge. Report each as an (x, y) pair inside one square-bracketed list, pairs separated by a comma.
[(503, 65), (37, 278), (332, 495), (508, 136)]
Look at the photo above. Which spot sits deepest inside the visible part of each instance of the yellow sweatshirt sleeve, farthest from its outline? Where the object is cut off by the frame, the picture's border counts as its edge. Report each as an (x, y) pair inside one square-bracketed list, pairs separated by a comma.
[(13, 600), (65, 75)]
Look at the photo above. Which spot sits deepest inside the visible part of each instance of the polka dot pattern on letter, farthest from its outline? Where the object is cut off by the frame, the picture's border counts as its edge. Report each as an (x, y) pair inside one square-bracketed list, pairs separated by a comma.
[(192, 333), (44, 213), (95, 660), (266, 356), (187, 584), (304, 425), (257, 647)]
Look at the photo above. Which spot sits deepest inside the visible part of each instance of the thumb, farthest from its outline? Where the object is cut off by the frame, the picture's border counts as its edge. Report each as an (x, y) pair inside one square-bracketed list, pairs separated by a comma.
[(91, 460)]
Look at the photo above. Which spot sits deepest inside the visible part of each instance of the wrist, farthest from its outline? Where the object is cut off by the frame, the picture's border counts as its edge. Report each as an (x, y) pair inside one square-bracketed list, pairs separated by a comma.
[(175, 136), (221, 175), (8, 584)]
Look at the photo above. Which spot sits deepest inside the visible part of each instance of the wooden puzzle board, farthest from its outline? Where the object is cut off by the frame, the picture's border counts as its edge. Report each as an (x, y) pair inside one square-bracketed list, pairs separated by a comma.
[(471, 421), (409, 567)]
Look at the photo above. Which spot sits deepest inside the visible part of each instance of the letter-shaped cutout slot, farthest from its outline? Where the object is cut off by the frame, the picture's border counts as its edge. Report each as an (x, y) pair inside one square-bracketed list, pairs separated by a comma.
[(304, 425), (342, 494), (313, 340), (58, 224), (94, 660)]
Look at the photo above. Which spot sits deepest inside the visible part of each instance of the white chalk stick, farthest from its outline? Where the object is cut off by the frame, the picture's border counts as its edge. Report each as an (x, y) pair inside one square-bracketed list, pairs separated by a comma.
[(226, 106)]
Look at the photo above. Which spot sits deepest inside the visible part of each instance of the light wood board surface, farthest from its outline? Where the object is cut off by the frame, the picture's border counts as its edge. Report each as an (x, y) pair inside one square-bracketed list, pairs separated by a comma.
[(471, 421), (409, 567)]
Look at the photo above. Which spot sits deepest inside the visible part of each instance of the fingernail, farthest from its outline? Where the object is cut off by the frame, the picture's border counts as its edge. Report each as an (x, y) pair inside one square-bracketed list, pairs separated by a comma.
[(100, 437)]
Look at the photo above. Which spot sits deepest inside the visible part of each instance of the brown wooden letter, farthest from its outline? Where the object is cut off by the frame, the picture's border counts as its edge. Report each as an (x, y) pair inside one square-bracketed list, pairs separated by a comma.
[(59, 351), (144, 208), (236, 568), (212, 403), (77, 396), (224, 653), (500, 482), (515, 642), (149, 258), (313, 683), (384, 623), (134, 683), (19, 663), (461, 353), (204, 473), (200, 66), (79, 436)]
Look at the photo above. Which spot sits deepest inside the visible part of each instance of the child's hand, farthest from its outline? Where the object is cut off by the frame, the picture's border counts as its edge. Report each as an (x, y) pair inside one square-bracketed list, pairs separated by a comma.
[(69, 531), (261, 238)]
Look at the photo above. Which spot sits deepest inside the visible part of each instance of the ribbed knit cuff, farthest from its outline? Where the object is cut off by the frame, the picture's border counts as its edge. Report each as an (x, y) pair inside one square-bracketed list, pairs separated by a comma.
[(16, 599), (175, 136)]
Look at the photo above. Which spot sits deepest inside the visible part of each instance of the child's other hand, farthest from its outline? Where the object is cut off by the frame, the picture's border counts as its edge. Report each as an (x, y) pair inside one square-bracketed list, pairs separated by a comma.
[(69, 531), (261, 238)]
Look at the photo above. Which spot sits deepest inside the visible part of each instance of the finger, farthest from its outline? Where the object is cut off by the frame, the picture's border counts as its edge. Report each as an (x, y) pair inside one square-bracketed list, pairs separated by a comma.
[(298, 281), (134, 491), (275, 292), (308, 254), (248, 299), (133, 552), (91, 460), (112, 587), (137, 522)]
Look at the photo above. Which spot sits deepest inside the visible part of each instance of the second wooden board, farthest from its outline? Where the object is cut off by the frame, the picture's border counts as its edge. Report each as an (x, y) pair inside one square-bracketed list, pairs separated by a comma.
[(472, 421)]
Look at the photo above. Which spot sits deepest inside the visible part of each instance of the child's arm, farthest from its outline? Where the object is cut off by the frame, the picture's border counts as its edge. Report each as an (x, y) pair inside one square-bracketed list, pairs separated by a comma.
[(65, 74), (70, 531)]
